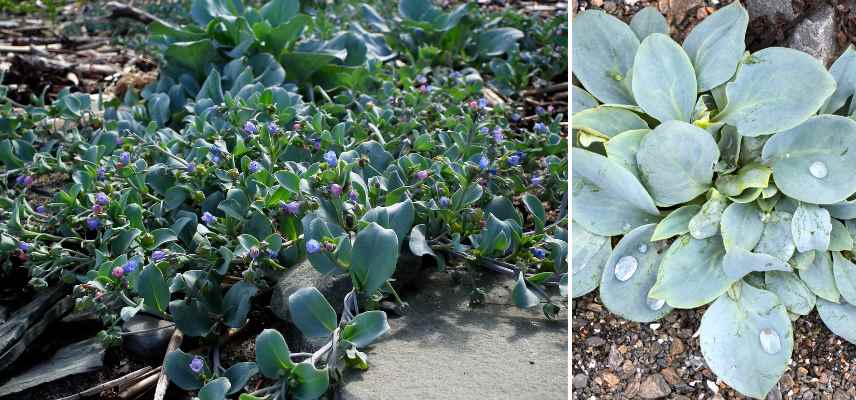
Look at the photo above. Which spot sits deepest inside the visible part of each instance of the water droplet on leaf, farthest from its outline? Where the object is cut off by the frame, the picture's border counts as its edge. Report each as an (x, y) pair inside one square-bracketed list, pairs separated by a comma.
[(625, 268), (643, 248), (770, 341), (655, 304), (818, 170)]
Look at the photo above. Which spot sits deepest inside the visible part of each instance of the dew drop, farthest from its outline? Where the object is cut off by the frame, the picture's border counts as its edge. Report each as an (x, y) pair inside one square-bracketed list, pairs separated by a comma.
[(818, 170), (626, 227), (643, 248), (625, 268), (770, 341), (655, 304)]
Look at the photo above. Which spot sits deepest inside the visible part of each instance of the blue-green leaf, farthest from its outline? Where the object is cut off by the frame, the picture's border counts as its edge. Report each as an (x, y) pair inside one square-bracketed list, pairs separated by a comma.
[(272, 355), (603, 50), (311, 312), (664, 83), (716, 45)]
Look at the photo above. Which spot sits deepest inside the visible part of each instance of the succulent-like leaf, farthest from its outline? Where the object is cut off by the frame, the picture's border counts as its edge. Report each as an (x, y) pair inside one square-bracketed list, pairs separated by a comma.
[(589, 256), (811, 227), (775, 89), (676, 162), (741, 226), (676, 223), (622, 149), (664, 83), (777, 239), (604, 48), (843, 71), (648, 21), (607, 121), (792, 292), (365, 328), (845, 276), (691, 273), (716, 45), (581, 100), (839, 318), (272, 355), (629, 275), (311, 312), (747, 341), (811, 162)]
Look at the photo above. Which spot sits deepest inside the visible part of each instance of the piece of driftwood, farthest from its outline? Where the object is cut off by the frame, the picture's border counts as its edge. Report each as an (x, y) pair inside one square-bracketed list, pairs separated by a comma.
[(39, 64), (163, 380), (78, 358), (118, 10), (120, 381), (143, 385)]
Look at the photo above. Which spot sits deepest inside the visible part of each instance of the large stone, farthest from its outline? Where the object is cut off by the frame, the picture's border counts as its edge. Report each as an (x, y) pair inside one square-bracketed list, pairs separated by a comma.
[(78, 358), (816, 35), (333, 287), (147, 336), (445, 349), (771, 9)]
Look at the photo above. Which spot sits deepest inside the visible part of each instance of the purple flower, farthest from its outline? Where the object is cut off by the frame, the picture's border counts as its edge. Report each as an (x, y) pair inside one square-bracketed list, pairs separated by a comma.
[(191, 167), (254, 167), (444, 202), (312, 246), (421, 175), (316, 143), (483, 162), (513, 160), (24, 180), (498, 137), (215, 159), (102, 199), (254, 252), (428, 88), (540, 110), (353, 196), (93, 223), (196, 364), (473, 104), (331, 159), (539, 253), (540, 127), (131, 266), (482, 103), (423, 89), (291, 208), (250, 128), (273, 128), (208, 218), (24, 246), (118, 272), (484, 130), (125, 158), (455, 75), (158, 255), (335, 189), (101, 172), (537, 179), (97, 208), (41, 210), (421, 79), (120, 140)]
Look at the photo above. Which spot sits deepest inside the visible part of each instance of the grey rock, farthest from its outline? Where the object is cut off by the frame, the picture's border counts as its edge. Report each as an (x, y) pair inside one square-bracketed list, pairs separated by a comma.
[(580, 381), (147, 336), (614, 360), (30, 322), (78, 358), (333, 287), (775, 393), (445, 349), (816, 35), (771, 9), (654, 387), (595, 341)]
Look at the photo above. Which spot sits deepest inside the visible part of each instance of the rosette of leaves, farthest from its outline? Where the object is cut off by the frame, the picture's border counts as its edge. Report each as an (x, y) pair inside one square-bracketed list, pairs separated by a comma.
[(706, 175)]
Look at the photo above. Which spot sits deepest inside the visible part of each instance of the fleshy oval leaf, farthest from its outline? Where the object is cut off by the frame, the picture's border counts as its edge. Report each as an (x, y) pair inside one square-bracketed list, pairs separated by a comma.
[(629, 297), (604, 48), (820, 278), (664, 82), (691, 273), (811, 227), (741, 226), (590, 254), (716, 45), (792, 292), (648, 21), (839, 318), (676, 223), (747, 342)]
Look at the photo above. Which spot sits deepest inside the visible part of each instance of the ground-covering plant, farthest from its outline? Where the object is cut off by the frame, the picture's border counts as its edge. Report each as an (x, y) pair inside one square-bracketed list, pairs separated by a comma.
[(270, 137), (727, 177)]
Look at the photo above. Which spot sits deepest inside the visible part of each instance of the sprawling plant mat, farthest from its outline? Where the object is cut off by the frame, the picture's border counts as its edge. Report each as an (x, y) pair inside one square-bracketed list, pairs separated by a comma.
[(369, 138)]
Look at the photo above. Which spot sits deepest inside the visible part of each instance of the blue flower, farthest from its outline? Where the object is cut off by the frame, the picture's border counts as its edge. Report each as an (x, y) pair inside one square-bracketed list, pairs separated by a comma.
[(312, 246), (24, 180), (513, 160), (41, 210), (250, 128), (537, 179), (24, 246), (214, 150), (515, 117), (539, 253), (484, 162), (421, 79), (484, 130), (352, 195), (540, 110), (130, 266), (455, 75), (125, 158), (191, 167), (498, 137), (540, 127), (273, 128), (101, 172), (158, 255), (196, 364), (208, 218), (482, 103), (290, 208), (93, 223), (444, 202), (102, 199), (331, 158), (254, 252), (254, 167)]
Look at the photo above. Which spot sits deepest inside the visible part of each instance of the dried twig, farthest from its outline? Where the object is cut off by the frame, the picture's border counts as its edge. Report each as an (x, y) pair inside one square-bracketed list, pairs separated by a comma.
[(142, 386), (122, 380), (118, 10), (163, 381)]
